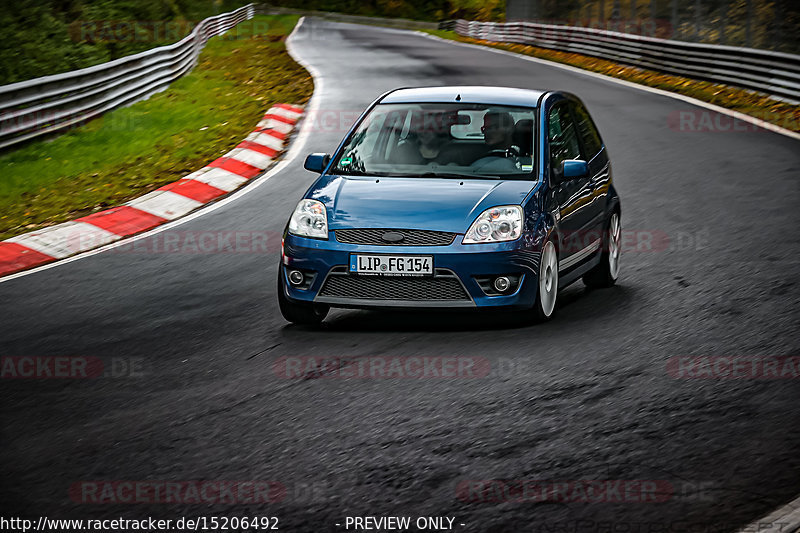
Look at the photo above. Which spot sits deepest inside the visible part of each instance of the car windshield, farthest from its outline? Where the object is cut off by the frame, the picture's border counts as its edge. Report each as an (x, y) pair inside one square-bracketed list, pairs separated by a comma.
[(449, 140)]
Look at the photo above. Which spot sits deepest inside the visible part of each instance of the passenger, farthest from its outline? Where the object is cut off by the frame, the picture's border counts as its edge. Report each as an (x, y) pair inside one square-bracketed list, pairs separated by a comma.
[(428, 141), (431, 141)]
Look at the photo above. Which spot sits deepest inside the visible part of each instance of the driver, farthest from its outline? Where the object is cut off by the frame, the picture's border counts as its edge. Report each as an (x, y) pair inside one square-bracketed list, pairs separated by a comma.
[(498, 132), (498, 129)]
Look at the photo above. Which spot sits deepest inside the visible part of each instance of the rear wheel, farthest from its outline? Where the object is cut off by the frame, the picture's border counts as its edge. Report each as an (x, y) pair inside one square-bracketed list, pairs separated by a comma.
[(606, 272), (307, 314), (547, 290)]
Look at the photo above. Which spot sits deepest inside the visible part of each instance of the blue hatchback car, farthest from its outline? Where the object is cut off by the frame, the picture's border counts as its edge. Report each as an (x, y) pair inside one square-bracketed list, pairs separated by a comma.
[(454, 197)]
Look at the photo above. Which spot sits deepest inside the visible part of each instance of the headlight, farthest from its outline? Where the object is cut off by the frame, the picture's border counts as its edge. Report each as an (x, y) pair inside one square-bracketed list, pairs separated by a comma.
[(309, 220), (498, 224)]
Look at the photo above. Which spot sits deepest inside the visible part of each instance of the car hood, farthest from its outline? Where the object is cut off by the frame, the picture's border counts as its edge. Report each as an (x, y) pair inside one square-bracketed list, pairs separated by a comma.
[(413, 203)]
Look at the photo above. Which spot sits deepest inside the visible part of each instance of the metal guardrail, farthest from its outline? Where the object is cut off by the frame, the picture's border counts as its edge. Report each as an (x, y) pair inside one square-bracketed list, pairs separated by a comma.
[(49, 104), (774, 73)]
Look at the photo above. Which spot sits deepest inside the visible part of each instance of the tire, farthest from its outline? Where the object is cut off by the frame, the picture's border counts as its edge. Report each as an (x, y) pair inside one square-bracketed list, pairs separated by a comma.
[(547, 284), (306, 314), (606, 272)]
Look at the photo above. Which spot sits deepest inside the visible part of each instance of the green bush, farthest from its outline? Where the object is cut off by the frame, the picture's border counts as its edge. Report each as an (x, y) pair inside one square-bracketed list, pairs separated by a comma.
[(44, 37), (433, 10)]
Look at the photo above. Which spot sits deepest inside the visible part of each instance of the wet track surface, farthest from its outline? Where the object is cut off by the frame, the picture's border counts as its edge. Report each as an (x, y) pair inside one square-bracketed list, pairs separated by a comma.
[(584, 397)]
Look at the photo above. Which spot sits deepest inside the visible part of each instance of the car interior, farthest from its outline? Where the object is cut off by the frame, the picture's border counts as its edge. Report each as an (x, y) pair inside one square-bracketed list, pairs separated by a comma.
[(422, 138)]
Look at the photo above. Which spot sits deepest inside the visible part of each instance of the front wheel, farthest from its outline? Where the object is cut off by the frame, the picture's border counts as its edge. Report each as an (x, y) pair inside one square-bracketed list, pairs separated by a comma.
[(547, 291), (606, 272), (307, 314)]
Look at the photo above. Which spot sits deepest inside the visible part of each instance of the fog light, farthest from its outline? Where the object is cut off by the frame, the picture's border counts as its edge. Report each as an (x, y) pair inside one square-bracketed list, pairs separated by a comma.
[(296, 277), (501, 283)]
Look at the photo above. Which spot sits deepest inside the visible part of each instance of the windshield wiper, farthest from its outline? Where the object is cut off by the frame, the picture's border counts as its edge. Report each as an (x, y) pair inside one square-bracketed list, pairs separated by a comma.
[(354, 172), (446, 175)]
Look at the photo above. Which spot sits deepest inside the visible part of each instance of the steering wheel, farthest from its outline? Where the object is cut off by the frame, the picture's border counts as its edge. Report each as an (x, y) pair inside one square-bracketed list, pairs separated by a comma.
[(511, 151)]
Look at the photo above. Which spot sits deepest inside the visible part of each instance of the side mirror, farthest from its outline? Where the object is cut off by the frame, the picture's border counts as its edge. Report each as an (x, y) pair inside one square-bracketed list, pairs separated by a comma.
[(317, 162), (574, 169)]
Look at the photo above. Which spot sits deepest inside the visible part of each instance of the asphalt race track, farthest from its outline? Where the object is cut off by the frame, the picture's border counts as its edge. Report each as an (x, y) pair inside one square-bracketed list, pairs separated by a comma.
[(584, 397)]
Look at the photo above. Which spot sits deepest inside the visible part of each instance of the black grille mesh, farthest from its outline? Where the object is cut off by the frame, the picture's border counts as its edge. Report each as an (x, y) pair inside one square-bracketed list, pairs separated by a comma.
[(393, 287), (412, 237)]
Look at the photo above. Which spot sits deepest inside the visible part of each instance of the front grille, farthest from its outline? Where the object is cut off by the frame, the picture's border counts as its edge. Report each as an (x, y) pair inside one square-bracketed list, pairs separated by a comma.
[(443, 286), (411, 237)]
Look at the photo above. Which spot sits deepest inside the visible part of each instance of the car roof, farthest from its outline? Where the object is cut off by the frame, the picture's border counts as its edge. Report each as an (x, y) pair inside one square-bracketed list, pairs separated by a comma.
[(468, 94)]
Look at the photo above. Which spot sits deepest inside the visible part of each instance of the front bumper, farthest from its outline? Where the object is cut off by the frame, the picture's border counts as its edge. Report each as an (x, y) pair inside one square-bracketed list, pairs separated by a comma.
[(458, 268)]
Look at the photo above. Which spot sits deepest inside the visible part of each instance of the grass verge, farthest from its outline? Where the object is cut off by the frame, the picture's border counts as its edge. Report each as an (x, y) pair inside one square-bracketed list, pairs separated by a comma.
[(134, 150), (748, 102)]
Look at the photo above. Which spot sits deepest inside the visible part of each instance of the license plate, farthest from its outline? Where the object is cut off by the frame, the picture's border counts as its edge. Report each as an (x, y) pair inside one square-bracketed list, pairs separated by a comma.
[(392, 265)]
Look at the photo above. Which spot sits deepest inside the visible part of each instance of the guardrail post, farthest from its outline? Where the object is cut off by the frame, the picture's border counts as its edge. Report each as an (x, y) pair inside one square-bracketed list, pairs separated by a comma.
[(748, 24), (674, 17), (779, 8), (697, 20)]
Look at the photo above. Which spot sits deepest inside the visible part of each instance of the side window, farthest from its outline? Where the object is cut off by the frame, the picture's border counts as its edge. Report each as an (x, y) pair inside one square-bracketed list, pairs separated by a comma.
[(587, 130), (562, 136)]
